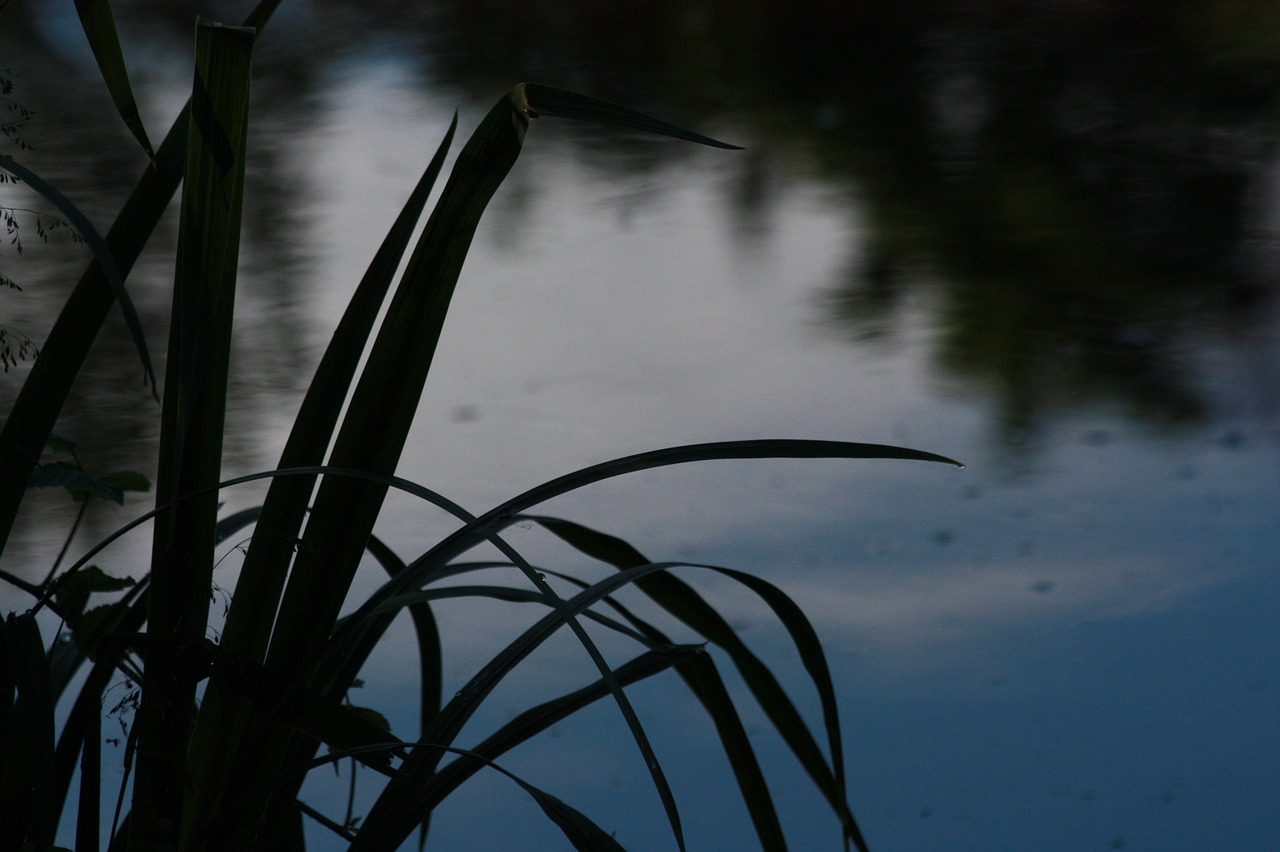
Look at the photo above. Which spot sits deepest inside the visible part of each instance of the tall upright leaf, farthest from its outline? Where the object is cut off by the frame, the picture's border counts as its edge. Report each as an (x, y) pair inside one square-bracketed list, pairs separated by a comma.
[(262, 576), (192, 425)]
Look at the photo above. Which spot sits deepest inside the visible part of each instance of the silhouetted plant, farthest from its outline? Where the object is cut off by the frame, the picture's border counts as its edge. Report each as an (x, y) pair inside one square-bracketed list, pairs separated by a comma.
[(220, 765)]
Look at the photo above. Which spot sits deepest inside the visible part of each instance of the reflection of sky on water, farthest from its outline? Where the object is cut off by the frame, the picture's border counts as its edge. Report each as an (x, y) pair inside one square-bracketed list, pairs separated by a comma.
[(1070, 649)]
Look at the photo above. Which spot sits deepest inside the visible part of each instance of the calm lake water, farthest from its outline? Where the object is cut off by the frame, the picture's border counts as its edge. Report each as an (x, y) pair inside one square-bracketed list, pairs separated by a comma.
[(1043, 239)]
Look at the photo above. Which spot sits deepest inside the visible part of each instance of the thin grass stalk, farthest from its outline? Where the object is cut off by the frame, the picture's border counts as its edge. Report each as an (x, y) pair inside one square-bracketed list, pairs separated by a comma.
[(192, 427)]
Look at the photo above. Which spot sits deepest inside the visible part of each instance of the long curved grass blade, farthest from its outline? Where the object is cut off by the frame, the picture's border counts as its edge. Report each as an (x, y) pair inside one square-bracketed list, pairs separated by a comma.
[(502, 515), (548, 100), (100, 29), (101, 253), (679, 599), (538, 719), (814, 659), (390, 820)]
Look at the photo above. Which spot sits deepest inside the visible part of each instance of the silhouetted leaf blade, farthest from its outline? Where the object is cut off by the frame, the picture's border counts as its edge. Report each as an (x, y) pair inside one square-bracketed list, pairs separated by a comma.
[(100, 29)]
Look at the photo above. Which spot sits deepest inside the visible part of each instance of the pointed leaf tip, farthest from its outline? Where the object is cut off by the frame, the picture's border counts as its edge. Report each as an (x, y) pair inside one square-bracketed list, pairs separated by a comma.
[(535, 100)]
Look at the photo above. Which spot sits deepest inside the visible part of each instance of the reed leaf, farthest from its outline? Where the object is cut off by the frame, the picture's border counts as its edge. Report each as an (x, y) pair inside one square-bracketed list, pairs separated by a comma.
[(681, 601), (192, 425), (99, 25), (27, 734), (262, 577)]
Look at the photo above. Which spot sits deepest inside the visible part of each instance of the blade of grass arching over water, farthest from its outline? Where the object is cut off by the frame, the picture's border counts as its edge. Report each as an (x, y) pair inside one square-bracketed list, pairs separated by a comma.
[(100, 29), (192, 426), (34, 412), (681, 601), (386, 398), (394, 815), (707, 686), (262, 576), (500, 516), (550, 101)]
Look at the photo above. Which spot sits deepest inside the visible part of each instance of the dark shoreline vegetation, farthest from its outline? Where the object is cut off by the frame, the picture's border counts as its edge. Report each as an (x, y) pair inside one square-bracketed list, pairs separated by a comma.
[(220, 735)]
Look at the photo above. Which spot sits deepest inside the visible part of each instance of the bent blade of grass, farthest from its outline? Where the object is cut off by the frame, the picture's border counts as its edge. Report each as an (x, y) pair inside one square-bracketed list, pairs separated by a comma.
[(101, 253), (391, 819), (99, 26), (500, 516), (681, 601), (550, 101)]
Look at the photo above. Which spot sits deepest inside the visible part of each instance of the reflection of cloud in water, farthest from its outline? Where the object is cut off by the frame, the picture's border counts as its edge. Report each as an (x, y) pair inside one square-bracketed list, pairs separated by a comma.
[(906, 613)]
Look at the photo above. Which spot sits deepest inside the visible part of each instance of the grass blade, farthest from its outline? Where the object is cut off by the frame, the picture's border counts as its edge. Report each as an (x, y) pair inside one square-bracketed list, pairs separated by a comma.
[(100, 29), (681, 601), (101, 253), (501, 515), (27, 772), (192, 426), (548, 100), (262, 576), (538, 719)]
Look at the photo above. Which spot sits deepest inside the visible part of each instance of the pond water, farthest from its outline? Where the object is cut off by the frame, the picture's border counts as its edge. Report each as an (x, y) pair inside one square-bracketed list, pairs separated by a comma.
[(1038, 238)]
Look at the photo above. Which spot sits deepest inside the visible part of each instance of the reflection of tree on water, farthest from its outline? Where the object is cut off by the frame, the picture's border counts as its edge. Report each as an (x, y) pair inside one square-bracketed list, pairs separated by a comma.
[(1079, 189), (1076, 186), (1075, 189)]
